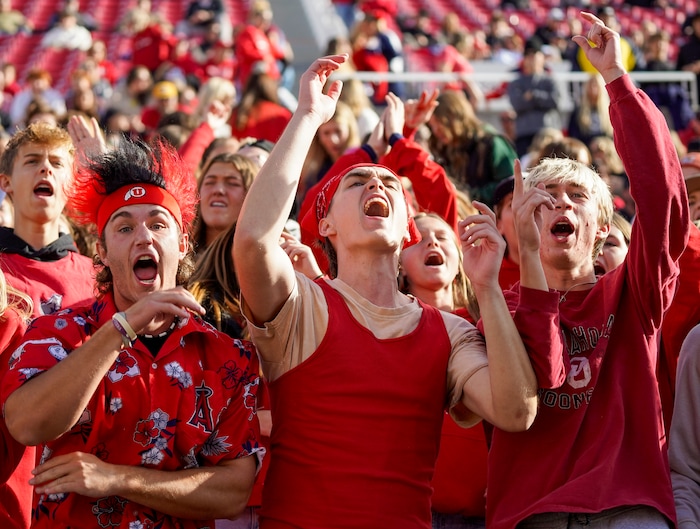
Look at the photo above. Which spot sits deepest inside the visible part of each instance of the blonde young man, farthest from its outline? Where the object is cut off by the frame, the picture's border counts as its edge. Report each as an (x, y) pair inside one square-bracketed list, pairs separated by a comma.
[(595, 455)]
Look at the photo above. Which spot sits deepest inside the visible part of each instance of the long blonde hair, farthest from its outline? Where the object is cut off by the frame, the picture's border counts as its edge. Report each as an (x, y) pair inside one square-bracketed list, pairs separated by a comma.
[(13, 299), (601, 107), (214, 280)]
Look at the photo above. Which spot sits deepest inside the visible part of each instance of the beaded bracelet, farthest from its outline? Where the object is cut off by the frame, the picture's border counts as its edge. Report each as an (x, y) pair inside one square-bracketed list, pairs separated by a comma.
[(124, 329)]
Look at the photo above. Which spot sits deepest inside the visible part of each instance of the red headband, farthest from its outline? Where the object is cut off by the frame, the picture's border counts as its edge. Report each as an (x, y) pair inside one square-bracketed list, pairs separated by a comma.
[(325, 197), (137, 194)]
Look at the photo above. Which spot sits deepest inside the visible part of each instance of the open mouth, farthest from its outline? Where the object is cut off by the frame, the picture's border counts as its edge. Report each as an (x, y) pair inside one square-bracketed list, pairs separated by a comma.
[(217, 204), (598, 270), (434, 259), (562, 229), (146, 269), (376, 207), (43, 190)]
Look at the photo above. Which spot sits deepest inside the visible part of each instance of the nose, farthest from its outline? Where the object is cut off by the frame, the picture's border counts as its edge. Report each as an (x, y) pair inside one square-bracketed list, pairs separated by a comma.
[(432, 240), (562, 201), (46, 166), (375, 183), (143, 235)]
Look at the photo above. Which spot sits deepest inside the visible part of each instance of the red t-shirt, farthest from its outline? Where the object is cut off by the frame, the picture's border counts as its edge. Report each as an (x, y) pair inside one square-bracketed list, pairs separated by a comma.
[(15, 494)]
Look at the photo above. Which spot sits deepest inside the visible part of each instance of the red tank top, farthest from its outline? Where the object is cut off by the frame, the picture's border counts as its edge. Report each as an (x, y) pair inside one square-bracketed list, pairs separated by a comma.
[(356, 427)]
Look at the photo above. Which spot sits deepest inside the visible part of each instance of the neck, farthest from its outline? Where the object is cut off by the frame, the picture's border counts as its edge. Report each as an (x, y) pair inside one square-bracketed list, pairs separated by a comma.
[(212, 233), (440, 299), (374, 279), (37, 235), (571, 280)]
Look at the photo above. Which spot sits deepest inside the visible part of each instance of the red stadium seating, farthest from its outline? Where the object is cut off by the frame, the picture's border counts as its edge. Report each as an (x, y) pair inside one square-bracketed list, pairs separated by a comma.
[(23, 50)]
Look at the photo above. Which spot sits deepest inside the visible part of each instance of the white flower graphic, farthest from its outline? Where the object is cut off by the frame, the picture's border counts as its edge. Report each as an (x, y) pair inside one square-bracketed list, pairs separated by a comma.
[(115, 404)]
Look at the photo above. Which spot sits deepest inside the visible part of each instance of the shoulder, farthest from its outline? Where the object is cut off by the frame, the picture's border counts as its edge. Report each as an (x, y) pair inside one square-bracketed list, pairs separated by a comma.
[(461, 331), (12, 327)]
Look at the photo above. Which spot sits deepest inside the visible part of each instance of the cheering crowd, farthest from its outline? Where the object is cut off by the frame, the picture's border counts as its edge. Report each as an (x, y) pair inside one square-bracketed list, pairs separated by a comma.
[(235, 310)]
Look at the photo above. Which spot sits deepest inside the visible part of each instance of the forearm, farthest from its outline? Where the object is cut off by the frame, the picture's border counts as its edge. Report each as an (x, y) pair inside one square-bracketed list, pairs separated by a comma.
[(220, 491), (512, 378), (58, 396), (271, 196), (531, 271)]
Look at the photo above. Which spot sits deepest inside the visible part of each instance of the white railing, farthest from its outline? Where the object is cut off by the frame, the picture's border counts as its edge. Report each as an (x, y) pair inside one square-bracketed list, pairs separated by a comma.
[(415, 82)]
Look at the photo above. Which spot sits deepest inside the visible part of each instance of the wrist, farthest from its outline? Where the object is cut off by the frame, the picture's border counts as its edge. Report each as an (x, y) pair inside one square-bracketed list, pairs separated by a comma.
[(127, 333), (396, 136), (370, 152)]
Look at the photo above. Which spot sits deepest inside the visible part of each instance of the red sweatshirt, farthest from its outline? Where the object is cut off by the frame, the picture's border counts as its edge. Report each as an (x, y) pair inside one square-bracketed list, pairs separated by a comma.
[(598, 440)]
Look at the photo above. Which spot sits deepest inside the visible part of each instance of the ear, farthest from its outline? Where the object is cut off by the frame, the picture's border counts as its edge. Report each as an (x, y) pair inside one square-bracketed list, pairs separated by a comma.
[(326, 227), (603, 232), (183, 246), (101, 252), (6, 184)]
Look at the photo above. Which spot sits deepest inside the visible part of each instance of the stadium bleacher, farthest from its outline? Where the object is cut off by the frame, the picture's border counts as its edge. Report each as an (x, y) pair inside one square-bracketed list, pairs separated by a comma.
[(24, 51)]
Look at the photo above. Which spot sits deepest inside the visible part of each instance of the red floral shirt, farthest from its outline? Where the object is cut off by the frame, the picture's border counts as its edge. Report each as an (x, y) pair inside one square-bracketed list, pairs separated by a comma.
[(193, 404)]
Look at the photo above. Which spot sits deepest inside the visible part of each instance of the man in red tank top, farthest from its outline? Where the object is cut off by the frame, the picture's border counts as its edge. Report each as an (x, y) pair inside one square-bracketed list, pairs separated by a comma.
[(359, 373)]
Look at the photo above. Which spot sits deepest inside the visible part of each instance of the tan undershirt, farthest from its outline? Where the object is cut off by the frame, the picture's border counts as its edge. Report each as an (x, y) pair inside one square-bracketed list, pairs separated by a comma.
[(298, 329)]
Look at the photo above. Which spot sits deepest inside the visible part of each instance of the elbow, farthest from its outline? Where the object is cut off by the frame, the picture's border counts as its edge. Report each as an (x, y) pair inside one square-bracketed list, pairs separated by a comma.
[(22, 431), (234, 507), (521, 418), (29, 429), (233, 511), (244, 243)]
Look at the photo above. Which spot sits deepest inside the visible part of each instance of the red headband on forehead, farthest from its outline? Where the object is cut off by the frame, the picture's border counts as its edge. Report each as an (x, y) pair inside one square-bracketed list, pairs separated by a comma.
[(137, 193), (325, 197)]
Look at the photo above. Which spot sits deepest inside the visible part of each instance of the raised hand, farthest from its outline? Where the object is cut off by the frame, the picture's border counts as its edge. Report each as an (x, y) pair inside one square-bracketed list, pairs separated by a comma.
[(602, 48), (483, 247), (527, 211), (154, 310), (527, 216), (376, 138), (419, 111), (301, 256), (87, 137), (312, 99), (393, 116)]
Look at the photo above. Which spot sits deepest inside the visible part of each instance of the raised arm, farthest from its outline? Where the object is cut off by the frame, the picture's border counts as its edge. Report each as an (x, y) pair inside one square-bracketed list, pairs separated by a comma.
[(505, 394), (433, 190), (265, 273), (643, 141), (527, 212)]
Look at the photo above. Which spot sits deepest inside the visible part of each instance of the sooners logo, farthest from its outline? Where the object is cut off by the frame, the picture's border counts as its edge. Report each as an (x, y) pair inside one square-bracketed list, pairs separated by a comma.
[(135, 192), (580, 373)]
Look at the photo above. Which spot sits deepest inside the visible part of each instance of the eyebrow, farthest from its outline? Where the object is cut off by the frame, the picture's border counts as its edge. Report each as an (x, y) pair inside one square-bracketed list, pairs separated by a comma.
[(226, 177), (569, 184), (367, 175), (127, 215)]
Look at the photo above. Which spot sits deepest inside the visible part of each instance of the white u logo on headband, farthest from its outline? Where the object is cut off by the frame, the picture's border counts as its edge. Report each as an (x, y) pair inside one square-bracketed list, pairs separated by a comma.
[(135, 192)]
